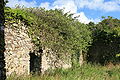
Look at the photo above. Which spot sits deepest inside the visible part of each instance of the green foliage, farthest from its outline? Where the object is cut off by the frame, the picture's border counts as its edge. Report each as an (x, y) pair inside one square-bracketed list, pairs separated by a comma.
[(106, 41), (86, 72), (64, 35), (18, 14), (52, 29), (59, 31)]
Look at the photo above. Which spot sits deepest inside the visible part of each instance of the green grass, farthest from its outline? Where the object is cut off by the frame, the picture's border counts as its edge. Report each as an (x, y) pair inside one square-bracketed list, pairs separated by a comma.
[(86, 72)]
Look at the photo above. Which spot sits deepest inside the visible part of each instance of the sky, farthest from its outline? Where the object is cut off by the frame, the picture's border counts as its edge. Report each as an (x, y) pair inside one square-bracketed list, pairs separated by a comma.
[(87, 10)]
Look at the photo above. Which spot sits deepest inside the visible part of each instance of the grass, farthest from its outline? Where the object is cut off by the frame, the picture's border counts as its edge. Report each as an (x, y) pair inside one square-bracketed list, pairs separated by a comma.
[(86, 72)]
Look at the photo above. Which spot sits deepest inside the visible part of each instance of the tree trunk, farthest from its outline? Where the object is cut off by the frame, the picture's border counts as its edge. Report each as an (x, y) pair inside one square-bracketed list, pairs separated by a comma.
[(2, 12), (2, 41)]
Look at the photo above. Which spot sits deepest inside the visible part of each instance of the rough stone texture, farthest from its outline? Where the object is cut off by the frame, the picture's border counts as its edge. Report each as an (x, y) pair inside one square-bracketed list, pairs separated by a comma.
[(51, 61), (18, 46)]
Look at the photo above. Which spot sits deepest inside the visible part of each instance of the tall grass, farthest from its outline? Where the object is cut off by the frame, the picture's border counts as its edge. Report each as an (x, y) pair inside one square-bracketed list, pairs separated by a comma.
[(85, 72)]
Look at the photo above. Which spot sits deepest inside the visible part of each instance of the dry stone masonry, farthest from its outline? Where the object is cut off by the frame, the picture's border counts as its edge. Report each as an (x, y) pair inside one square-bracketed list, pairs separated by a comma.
[(19, 52), (51, 61), (18, 46)]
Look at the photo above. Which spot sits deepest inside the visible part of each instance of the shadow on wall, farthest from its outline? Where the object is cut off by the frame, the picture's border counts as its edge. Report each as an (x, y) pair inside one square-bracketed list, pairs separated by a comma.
[(2, 42)]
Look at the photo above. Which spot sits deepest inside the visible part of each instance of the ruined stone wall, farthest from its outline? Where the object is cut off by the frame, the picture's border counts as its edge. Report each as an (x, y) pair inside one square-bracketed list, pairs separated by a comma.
[(51, 61), (18, 46)]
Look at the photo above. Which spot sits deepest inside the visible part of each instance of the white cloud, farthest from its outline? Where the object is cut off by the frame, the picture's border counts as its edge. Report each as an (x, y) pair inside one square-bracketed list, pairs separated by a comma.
[(13, 3), (45, 5), (82, 18), (68, 6), (113, 5)]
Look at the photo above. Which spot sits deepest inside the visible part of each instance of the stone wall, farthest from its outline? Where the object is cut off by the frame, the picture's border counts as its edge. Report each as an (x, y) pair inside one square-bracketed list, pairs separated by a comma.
[(18, 46), (19, 54), (51, 61)]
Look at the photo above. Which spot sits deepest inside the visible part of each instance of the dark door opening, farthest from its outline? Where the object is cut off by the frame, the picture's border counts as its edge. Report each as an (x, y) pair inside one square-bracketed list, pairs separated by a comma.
[(35, 64)]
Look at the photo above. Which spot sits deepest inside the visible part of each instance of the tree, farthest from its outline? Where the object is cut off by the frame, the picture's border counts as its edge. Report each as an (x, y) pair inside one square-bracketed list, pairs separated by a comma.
[(106, 41), (2, 42)]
